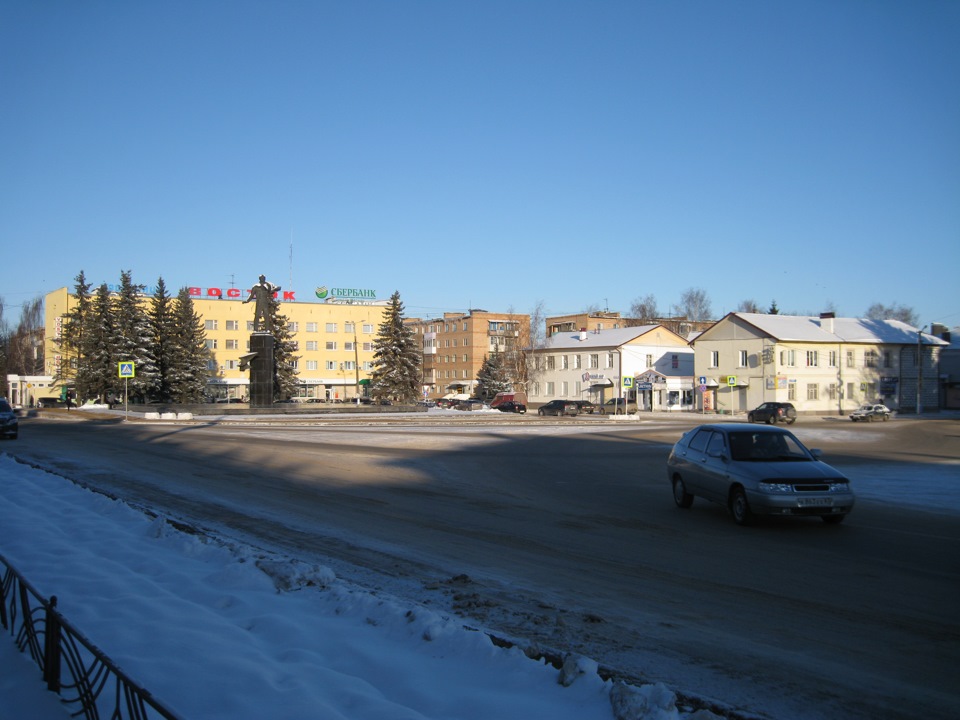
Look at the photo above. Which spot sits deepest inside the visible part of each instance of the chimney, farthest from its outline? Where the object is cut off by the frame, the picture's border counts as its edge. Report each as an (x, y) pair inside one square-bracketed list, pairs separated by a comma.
[(583, 334), (826, 321)]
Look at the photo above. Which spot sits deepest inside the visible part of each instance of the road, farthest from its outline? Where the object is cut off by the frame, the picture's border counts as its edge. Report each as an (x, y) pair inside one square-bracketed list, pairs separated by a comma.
[(562, 536)]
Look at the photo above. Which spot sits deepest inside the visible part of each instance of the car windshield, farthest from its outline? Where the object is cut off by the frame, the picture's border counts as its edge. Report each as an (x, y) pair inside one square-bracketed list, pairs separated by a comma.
[(766, 447)]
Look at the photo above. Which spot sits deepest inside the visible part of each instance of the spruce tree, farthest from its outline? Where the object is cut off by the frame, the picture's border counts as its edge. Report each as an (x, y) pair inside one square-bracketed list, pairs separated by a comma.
[(284, 361), (188, 371), (165, 338), (396, 357), (492, 378), (134, 339), (97, 371), (70, 342)]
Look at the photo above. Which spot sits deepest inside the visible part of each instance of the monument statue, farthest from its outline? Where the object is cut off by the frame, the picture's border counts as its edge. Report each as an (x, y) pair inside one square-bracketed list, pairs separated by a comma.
[(261, 293)]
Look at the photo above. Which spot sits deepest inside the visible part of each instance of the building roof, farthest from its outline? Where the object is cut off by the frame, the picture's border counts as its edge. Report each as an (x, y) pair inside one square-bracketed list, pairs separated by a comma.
[(800, 328), (597, 339)]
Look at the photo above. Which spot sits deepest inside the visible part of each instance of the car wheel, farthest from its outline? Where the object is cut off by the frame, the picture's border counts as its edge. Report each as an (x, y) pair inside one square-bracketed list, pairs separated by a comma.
[(749, 417), (772, 420), (869, 418), (740, 508), (833, 519), (886, 416), (791, 421), (681, 497), (540, 413)]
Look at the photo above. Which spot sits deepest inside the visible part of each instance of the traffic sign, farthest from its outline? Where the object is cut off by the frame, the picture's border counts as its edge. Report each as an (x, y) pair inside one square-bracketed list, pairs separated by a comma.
[(126, 369), (627, 381), (703, 380), (731, 380)]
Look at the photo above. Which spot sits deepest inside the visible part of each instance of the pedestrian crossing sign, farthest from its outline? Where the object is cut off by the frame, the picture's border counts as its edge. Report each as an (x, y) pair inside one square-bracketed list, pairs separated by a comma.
[(127, 369)]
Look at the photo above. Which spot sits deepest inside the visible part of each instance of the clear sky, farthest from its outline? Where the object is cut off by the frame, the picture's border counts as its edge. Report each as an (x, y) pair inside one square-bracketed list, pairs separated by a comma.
[(491, 155)]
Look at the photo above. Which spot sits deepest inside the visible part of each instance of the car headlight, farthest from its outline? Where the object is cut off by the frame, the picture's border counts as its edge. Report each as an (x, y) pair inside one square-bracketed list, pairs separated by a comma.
[(839, 487), (775, 487)]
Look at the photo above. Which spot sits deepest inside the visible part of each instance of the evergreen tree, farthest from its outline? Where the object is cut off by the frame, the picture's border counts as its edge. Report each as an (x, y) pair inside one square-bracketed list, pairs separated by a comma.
[(396, 357), (134, 339), (97, 369), (165, 339), (284, 361), (773, 309), (70, 343), (492, 378), (188, 372)]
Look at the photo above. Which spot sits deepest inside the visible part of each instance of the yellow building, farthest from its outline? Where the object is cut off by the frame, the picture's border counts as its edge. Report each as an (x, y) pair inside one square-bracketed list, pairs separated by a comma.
[(333, 339)]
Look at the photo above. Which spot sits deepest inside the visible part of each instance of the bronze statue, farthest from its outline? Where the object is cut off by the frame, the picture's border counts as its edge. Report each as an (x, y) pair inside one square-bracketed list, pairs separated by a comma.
[(262, 292)]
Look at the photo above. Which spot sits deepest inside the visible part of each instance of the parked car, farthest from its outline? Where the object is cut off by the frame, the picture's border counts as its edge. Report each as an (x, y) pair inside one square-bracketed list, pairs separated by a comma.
[(9, 422), (869, 413), (446, 402), (773, 412), (559, 408), (511, 407), (470, 404), (756, 471), (585, 406), (618, 405)]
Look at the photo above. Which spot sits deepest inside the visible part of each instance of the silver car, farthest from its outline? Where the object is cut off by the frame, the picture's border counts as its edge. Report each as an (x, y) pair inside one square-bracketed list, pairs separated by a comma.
[(756, 470)]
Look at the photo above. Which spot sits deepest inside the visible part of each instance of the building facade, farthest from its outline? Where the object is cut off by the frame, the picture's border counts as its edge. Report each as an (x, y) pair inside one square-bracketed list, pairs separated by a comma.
[(455, 346), (820, 364), (592, 365)]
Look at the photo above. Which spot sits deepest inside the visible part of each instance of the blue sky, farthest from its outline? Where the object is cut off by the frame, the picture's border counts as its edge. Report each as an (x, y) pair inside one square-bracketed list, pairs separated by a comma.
[(491, 155)]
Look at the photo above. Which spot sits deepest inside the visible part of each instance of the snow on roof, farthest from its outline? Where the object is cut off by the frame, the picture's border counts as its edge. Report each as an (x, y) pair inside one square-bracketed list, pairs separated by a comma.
[(815, 329), (613, 337)]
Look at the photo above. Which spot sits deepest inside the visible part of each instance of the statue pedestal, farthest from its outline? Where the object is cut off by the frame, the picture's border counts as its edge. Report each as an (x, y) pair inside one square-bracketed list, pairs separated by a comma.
[(261, 370)]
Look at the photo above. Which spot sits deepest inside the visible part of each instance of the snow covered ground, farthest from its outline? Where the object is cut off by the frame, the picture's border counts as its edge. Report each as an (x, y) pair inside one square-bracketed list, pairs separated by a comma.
[(220, 631)]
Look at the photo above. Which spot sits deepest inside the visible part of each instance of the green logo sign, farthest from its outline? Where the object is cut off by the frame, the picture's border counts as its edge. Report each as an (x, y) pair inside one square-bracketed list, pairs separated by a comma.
[(322, 292)]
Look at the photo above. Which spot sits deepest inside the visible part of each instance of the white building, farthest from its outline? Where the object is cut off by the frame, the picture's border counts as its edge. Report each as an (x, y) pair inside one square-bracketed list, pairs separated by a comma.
[(592, 365), (820, 364)]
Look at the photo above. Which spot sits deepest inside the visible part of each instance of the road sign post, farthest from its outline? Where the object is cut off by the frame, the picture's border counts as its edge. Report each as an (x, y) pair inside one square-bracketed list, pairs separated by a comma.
[(126, 369)]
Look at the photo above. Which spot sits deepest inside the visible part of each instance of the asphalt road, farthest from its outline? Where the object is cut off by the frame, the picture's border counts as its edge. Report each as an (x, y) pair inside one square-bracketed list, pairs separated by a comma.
[(563, 537)]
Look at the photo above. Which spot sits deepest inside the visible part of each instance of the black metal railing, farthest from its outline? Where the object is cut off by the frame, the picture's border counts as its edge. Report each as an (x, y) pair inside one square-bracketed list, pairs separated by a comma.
[(87, 681)]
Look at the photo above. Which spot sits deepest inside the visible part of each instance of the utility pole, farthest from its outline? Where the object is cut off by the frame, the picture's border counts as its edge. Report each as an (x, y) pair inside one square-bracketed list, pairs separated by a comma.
[(919, 370)]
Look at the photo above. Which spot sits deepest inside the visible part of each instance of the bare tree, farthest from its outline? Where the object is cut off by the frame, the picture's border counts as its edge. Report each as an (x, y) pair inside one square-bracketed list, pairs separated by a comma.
[(879, 311), (749, 306), (694, 305), (645, 309), (520, 357)]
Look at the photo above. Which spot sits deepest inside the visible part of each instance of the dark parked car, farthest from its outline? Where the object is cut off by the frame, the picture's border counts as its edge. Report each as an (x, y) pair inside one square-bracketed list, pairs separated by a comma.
[(756, 471), (9, 423), (446, 402), (585, 406), (559, 408), (470, 404), (773, 412), (869, 413), (511, 406)]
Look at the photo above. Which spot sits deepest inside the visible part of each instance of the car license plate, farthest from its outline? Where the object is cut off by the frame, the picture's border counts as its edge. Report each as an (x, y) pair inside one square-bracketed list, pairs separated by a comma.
[(815, 502)]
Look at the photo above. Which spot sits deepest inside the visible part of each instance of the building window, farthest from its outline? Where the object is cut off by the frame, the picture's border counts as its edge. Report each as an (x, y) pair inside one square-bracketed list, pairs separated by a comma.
[(649, 360), (211, 344), (331, 327), (741, 358), (350, 327), (311, 364), (788, 358), (576, 362), (851, 359), (813, 391), (564, 364), (550, 388), (232, 345), (832, 358), (870, 359), (551, 362), (349, 365), (331, 344), (293, 326), (594, 361), (209, 324), (330, 365), (367, 347), (813, 358), (609, 360), (249, 325), (465, 358), (348, 346), (312, 345), (232, 325), (368, 328), (887, 360), (850, 387), (564, 389), (714, 358), (311, 327), (230, 365), (791, 391)]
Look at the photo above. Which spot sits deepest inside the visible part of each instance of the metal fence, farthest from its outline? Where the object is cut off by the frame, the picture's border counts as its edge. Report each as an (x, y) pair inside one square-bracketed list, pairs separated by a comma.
[(87, 681)]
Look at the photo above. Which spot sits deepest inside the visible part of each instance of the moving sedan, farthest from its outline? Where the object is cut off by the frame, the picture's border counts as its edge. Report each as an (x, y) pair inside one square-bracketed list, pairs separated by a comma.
[(756, 471)]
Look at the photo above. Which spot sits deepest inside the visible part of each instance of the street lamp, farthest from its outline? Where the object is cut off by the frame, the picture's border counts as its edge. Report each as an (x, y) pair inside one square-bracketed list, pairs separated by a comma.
[(919, 370)]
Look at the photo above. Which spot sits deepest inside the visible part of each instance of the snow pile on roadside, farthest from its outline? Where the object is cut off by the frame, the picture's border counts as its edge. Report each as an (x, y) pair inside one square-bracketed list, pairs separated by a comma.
[(217, 631)]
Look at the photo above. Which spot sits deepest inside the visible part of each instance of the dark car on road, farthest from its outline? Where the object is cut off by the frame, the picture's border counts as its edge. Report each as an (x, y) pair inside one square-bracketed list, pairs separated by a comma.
[(773, 412), (585, 406), (9, 423), (559, 408), (511, 407), (756, 471)]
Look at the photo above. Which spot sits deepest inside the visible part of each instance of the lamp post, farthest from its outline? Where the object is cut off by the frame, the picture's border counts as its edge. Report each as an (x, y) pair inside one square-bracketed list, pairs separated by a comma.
[(919, 370)]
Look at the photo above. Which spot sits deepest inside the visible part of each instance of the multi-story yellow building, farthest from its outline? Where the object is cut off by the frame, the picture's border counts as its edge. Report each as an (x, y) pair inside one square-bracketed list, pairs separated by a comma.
[(333, 339)]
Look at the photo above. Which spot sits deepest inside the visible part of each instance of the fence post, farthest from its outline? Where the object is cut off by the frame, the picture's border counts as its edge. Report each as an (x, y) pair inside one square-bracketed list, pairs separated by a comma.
[(51, 647)]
